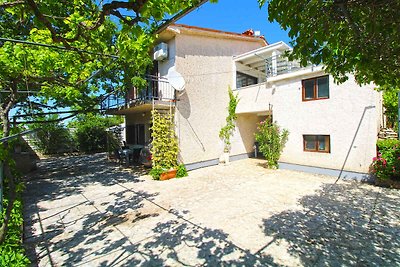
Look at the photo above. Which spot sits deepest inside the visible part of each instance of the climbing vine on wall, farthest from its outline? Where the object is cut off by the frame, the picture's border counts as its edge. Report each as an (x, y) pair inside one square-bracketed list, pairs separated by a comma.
[(226, 132), (165, 144)]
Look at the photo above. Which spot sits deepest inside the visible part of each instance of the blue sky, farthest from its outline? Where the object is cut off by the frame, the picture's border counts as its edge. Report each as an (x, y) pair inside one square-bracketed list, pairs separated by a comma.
[(236, 16)]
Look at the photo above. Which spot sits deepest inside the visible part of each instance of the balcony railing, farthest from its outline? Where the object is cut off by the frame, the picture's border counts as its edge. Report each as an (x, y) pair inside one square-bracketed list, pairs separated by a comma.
[(157, 89), (280, 64)]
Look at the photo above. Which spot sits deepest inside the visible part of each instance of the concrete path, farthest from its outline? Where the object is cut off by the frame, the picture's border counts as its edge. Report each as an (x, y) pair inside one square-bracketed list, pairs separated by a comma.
[(85, 211)]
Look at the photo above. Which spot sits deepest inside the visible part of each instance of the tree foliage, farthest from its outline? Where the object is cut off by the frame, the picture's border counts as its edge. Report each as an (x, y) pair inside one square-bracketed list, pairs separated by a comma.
[(90, 131), (347, 36), (52, 137)]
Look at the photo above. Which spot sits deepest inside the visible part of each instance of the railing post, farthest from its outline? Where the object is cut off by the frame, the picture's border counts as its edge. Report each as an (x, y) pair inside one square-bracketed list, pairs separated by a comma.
[(274, 63)]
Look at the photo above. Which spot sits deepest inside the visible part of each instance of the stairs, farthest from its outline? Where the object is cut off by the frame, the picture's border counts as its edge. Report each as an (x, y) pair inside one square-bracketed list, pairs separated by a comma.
[(387, 133)]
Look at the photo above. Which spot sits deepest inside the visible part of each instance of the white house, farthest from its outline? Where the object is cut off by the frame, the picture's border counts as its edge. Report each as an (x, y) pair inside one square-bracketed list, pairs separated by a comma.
[(332, 127)]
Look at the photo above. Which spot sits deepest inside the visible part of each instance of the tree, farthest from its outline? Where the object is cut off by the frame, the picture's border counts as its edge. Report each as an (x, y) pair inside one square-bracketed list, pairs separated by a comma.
[(52, 137), (80, 39), (347, 36), (90, 131)]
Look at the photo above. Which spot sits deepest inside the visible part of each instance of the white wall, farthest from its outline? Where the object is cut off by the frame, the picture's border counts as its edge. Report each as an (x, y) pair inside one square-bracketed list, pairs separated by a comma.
[(207, 67), (339, 116)]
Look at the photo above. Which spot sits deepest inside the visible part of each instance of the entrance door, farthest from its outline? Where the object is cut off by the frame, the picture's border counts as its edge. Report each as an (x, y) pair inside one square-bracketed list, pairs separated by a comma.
[(135, 134)]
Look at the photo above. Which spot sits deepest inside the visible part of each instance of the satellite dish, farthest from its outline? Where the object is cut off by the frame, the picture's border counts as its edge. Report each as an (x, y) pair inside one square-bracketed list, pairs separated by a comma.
[(175, 79)]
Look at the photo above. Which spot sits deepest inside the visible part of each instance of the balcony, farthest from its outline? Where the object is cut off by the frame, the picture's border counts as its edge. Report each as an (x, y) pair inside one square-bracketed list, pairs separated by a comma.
[(158, 92), (268, 63), (280, 64)]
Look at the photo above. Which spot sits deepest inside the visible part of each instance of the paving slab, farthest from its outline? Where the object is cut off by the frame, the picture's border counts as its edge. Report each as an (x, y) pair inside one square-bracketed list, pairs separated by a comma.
[(86, 211)]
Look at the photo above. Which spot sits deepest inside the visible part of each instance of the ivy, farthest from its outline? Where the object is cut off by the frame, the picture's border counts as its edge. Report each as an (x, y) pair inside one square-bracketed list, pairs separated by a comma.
[(227, 131), (164, 144)]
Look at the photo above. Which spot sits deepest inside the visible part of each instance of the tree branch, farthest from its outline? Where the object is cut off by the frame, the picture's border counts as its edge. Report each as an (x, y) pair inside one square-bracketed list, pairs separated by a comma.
[(54, 35), (113, 6), (12, 4)]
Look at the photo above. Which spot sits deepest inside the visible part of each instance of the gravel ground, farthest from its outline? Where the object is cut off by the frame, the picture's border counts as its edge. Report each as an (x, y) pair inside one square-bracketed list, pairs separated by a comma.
[(86, 211)]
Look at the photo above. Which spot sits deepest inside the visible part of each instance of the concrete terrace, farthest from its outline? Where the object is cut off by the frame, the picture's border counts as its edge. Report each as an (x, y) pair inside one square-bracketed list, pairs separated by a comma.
[(86, 211)]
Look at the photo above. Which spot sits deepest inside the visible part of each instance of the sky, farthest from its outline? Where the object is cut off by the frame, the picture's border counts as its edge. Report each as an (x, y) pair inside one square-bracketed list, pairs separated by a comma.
[(236, 16)]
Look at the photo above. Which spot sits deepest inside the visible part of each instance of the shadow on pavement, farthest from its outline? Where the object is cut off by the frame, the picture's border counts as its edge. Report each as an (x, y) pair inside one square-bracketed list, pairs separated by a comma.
[(101, 234), (63, 177), (344, 225)]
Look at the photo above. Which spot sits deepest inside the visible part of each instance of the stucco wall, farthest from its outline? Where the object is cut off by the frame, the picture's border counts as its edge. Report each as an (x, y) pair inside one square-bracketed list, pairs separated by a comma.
[(206, 64), (350, 107)]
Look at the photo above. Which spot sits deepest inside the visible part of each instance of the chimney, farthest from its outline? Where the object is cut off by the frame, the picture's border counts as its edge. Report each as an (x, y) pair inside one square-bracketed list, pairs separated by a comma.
[(249, 32)]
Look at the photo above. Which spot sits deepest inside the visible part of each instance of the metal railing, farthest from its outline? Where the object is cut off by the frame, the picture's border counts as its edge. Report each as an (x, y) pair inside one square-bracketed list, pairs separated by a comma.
[(280, 64), (157, 88)]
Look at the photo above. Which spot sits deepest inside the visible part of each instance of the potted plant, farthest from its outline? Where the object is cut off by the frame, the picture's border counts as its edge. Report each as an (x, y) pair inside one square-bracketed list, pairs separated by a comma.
[(164, 147), (169, 174)]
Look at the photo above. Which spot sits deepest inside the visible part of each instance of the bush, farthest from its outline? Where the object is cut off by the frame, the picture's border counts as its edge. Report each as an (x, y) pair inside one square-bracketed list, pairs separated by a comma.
[(165, 144), (53, 137), (91, 137), (386, 166), (90, 132), (271, 141), (156, 173), (181, 171), (11, 250)]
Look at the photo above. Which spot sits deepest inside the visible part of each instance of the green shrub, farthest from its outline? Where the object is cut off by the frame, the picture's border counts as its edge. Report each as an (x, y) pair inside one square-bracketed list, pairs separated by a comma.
[(12, 252), (386, 165), (181, 171), (164, 144), (53, 137), (271, 141), (91, 132), (91, 137), (156, 173)]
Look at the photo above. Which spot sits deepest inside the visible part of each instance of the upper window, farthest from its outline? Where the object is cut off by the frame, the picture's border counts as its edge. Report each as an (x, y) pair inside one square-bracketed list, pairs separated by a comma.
[(316, 88), (317, 143), (243, 80)]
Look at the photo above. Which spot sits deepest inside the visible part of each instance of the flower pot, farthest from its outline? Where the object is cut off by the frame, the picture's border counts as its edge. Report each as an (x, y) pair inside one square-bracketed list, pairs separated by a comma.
[(168, 175)]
